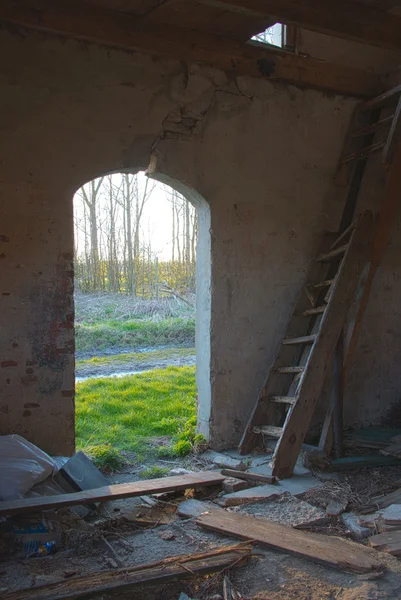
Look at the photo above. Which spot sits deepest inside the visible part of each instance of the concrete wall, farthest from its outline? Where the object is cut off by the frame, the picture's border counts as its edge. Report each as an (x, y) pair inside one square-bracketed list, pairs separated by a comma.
[(262, 155)]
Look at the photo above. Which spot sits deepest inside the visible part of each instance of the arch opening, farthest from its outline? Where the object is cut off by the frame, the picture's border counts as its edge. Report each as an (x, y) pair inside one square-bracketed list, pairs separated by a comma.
[(142, 314)]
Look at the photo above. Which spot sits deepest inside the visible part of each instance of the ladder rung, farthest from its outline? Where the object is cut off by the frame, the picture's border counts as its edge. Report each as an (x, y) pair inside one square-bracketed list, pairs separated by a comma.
[(317, 310), (342, 235), (283, 399), (363, 153), (373, 127), (332, 254), (286, 370), (382, 99), (306, 339), (269, 430), (323, 284)]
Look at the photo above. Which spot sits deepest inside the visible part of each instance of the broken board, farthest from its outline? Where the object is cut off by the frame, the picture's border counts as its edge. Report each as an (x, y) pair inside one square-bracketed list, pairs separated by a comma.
[(326, 550), (112, 492), (169, 569), (389, 542)]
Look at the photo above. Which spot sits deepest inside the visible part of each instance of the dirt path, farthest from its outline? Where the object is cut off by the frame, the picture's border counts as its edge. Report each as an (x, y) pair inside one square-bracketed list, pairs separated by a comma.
[(117, 364)]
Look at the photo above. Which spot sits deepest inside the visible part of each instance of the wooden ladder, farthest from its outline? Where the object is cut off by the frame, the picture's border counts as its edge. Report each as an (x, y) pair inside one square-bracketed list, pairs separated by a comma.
[(287, 401)]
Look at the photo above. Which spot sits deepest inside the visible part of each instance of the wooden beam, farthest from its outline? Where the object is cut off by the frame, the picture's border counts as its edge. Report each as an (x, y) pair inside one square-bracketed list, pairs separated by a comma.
[(125, 579), (112, 492), (80, 21), (344, 18), (326, 550)]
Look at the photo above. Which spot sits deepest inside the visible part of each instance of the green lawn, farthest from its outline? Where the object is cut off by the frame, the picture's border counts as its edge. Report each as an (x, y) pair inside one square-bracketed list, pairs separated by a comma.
[(127, 412), (137, 333)]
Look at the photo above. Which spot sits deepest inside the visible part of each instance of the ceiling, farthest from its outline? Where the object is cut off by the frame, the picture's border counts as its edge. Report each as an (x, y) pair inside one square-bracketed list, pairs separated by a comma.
[(235, 21)]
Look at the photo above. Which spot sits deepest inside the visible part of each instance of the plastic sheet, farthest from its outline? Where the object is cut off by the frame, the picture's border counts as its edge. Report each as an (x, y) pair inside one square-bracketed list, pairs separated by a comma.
[(22, 465)]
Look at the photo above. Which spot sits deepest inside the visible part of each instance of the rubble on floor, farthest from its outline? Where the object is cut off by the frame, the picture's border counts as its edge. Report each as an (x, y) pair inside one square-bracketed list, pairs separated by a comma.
[(138, 532)]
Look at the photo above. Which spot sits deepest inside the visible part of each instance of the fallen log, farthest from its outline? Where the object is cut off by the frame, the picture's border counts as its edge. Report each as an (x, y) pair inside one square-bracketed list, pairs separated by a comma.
[(167, 570)]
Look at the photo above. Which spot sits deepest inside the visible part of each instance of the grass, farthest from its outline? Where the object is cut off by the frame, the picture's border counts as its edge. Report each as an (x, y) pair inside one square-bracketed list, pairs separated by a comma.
[(128, 413), (137, 358), (134, 333)]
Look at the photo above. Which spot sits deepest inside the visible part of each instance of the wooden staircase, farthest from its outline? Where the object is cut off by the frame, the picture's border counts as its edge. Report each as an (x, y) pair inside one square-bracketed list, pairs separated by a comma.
[(339, 277)]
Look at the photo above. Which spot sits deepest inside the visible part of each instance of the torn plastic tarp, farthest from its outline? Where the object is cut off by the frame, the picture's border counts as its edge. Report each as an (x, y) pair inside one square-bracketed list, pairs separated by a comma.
[(22, 465)]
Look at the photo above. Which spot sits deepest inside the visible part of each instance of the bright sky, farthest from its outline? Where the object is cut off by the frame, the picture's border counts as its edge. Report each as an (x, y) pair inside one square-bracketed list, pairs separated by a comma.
[(156, 223)]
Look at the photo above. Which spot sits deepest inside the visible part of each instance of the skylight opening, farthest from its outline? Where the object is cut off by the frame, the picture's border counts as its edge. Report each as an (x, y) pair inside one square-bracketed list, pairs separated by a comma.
[(273, 36)]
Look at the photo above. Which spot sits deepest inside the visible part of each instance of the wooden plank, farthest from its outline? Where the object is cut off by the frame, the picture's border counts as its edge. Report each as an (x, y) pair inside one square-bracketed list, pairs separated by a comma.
[(389, 542), (253, 477), (112, 492), (349, 20), (117, 30), (170, 569), (269, 430), (392, 450), (365, 460), (326, 550), (282, 399), (343, 292), (289, 370)]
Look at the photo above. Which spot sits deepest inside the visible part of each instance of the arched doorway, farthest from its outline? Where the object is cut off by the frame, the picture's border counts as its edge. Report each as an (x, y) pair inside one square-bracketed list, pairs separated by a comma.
[(130, 246)]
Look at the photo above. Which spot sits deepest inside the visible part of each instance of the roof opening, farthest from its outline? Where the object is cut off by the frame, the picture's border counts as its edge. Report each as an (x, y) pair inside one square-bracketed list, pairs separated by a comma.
[(273, 36)]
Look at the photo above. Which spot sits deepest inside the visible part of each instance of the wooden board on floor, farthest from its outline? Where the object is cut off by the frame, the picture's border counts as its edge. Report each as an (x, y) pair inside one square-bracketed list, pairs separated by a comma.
[(387, 542), (112, 492), (327, 550), (169, 569)]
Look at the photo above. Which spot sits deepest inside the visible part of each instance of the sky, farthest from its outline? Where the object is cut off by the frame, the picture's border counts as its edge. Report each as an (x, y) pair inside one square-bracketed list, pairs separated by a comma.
[(156, 223)]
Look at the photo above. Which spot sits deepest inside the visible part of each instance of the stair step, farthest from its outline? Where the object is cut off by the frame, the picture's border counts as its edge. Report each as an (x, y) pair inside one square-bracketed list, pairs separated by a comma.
[(333, 254), (306, 339), (286, 370), (316, 310), (322, 284), (283, 399), (274, 432)]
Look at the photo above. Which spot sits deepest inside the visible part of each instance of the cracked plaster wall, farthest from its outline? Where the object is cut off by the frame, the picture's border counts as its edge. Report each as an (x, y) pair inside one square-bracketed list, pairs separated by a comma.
[(259, 156)]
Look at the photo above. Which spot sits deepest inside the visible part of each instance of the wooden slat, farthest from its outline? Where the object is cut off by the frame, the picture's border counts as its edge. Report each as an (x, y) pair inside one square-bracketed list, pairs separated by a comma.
[(326, 550), (316, 310), (108, 28), (297, 424), (286, 370), (252, 477), (111, 492), (323, 284), (341, 237), (389, 542), (381, 100), (366, 151), (170, 569), (333, 254), (380, 124), (349, 20), (269, 430), (304, 339), (282, 399)]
